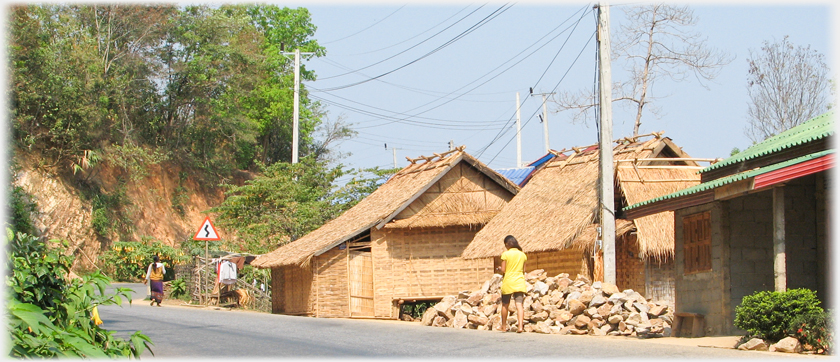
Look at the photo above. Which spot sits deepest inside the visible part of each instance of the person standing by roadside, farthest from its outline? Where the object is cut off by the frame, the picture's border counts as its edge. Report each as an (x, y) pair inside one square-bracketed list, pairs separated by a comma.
[(154, 276), (513, 281)]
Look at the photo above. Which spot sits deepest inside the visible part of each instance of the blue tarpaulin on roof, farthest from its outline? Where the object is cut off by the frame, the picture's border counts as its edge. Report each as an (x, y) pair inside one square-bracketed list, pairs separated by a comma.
[(516, 175)]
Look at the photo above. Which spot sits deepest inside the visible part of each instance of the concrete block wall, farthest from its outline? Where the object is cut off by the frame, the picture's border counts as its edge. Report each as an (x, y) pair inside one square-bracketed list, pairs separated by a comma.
[(801, 233), (750, 220), (704, 292)]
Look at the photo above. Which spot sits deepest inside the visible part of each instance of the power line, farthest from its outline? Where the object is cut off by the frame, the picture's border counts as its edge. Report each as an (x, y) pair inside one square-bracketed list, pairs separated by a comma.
[(374, 24), (554, 89), (476, 26)]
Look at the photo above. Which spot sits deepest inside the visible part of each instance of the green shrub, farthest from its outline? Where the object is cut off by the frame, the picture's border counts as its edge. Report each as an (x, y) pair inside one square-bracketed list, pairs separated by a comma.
[(815, 330), (177, 288), (49, 316), (767, 315), (127, 261)]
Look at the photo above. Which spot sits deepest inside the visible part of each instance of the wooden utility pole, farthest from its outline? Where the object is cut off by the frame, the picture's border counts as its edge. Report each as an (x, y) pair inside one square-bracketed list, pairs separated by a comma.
[(518, 134), (607, 203)]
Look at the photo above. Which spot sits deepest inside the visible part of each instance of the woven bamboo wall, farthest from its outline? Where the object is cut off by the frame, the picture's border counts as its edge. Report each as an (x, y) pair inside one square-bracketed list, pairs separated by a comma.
[(278, 300), (571, 261), (297, 291), (333, 298), (423, 262), (629, 268), (660, 284)]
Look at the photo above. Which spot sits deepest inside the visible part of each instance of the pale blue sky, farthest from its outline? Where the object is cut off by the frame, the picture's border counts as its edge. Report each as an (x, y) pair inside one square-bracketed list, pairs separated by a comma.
[(411, 109)]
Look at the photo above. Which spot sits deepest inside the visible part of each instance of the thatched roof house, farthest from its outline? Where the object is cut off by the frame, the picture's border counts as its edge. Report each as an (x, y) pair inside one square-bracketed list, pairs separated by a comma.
[(403, 240), (555, 215)]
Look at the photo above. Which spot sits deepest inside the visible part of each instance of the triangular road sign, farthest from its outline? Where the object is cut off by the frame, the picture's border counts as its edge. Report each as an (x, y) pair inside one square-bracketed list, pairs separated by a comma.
[(207, 231)]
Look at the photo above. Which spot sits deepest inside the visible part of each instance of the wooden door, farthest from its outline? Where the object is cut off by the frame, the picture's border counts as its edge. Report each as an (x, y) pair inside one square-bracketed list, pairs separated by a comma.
[(360, 278)]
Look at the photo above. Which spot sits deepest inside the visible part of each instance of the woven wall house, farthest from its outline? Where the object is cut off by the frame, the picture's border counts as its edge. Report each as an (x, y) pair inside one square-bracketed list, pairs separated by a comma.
[(554, 217), (402, 242)]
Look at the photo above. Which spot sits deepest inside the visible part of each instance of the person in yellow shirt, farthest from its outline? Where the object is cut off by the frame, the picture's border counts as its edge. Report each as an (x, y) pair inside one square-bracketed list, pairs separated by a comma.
[(154, 276), (513, 281)]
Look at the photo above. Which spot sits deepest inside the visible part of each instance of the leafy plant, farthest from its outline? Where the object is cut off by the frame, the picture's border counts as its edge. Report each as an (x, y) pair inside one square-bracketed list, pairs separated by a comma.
[(815, 330), (767, 315), (127, 260), (22, 209), (177, 288), (49, 316), (416, 310)]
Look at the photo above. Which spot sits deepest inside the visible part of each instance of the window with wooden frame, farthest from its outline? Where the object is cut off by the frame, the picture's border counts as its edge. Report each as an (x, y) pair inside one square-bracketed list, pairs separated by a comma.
[(697, 242)]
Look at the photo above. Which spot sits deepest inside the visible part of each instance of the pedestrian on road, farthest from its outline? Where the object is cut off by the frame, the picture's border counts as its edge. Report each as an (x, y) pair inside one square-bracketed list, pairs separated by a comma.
[(513, 281), (154, 276)]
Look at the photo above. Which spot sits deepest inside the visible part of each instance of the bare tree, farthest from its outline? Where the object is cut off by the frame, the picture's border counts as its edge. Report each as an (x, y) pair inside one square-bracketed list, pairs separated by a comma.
[(656, 42), (787, 85)]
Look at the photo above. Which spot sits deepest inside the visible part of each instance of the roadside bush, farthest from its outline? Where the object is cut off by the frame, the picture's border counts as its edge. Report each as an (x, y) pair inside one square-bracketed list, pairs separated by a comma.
[(815, 330), (177, 288), (767, 315), (127, 261), (49, 316)]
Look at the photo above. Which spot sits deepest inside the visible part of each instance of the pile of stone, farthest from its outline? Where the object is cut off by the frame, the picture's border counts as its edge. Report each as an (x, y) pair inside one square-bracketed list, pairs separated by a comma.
[(557, 305), (787, 345)]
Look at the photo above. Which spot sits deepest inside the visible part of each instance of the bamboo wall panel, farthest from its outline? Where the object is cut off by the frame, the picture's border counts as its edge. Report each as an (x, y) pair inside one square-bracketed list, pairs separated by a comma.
[(278, 288), (298, 292), (360, 268), (629, 267), (423, 262), (333, 298), (570, 261), (661, 280)]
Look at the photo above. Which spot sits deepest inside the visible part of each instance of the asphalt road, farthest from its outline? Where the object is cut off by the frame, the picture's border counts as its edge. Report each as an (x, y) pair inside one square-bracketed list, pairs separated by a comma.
[(190, 332)]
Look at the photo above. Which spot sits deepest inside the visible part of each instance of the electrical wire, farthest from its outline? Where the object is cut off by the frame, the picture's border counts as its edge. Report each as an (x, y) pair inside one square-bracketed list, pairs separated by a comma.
[(554, 89), (460, 36), (360, 31), (449, 100)]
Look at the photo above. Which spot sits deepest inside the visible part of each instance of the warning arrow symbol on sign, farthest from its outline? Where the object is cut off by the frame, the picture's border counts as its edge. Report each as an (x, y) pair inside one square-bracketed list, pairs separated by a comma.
[(207, 231)]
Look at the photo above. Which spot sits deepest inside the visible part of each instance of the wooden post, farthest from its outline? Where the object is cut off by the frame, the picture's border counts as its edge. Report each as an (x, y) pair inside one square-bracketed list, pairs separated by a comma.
[(779, 267), (607, 202)]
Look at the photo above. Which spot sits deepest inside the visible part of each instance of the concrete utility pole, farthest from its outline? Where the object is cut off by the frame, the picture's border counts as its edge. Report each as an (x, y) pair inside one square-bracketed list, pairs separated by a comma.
[(296, 107), (518, 134), (607, 207), (544, 118), (395, 154)]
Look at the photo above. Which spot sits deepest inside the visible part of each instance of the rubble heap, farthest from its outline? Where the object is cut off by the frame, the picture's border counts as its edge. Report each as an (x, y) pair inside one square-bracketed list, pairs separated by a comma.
[(557, 305)]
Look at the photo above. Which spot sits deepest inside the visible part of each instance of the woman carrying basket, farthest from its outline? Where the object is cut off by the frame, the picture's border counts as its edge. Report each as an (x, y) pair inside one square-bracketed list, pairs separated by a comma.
[(155, 274)]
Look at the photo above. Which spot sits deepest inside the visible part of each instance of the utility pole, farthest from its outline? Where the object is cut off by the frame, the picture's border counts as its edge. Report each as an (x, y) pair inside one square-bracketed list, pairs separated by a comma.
[(607, 203), (518, 134), (296, 107), (544, 118), (395, 154)]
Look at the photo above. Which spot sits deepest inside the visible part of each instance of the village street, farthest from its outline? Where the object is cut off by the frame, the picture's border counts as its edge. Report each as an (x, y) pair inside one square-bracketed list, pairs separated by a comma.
[(180, 331)]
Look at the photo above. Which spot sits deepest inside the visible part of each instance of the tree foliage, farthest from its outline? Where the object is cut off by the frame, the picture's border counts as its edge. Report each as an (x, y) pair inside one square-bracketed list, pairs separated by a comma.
[(200, 85), (788, 85), (50, 316)]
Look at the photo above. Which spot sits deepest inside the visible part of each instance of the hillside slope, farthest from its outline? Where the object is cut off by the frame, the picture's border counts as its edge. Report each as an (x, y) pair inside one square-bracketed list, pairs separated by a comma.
[(64, 213)]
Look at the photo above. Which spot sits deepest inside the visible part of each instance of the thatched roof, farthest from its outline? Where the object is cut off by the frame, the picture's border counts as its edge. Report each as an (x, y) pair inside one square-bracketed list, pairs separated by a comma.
[(559, 206), (383, 205)]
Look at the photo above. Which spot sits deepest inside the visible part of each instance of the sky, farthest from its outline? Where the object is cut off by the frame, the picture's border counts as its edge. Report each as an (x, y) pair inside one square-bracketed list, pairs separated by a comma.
[(415, 77)]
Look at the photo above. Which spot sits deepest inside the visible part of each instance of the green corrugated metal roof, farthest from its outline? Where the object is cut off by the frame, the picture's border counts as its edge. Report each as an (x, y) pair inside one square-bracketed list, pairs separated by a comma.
[(732, 178), (816, 128)]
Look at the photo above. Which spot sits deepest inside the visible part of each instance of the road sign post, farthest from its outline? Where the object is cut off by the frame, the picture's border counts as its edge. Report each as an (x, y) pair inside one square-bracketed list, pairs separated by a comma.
[(206, 232)]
